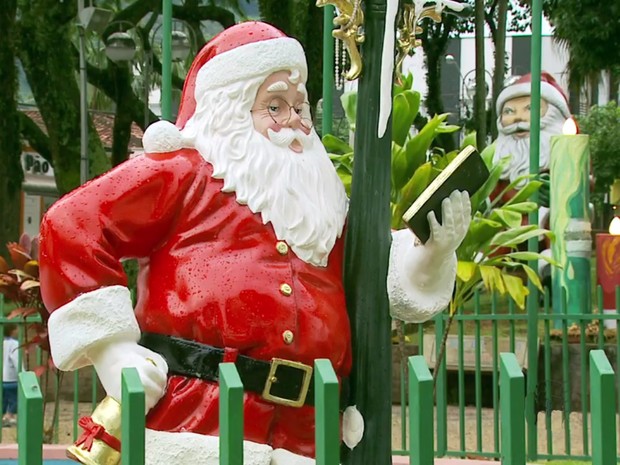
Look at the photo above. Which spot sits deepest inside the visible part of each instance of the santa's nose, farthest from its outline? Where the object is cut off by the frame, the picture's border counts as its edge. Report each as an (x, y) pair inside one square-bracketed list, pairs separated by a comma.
[(294, 120)]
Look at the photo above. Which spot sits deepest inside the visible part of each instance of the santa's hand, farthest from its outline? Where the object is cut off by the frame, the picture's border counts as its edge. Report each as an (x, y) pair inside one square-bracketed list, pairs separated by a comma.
[(110, 359), (456, 216)]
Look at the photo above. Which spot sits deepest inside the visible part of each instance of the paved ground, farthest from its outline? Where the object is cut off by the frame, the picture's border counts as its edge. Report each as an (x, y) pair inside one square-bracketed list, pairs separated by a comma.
[(473, 441)]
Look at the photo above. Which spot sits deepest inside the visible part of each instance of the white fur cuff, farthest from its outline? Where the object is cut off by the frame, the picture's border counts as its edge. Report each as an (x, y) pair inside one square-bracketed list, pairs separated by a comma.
[(86, 321), (163, 448), (410, 300)]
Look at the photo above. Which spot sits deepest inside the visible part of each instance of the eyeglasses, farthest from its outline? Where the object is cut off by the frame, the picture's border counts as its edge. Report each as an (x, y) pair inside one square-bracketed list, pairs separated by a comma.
[(280, 112)]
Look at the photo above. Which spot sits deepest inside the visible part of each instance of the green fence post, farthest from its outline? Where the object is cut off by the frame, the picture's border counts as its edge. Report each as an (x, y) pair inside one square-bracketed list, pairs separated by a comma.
[(603, 409), (30, 423), (328, 70), (441, 395), (132, 418), (231, 415), (512, 410), (327, 403), (421, 449)]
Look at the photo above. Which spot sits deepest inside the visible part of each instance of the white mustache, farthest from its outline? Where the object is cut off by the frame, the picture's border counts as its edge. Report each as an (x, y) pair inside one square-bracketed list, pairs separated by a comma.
[(285, 137), (511, 129)]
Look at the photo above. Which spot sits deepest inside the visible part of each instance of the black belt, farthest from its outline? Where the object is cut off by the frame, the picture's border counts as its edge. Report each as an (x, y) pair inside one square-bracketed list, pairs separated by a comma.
[(279, 381)]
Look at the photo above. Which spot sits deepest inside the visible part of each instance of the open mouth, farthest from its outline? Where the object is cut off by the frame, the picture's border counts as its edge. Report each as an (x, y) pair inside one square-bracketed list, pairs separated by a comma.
[(296, 146)]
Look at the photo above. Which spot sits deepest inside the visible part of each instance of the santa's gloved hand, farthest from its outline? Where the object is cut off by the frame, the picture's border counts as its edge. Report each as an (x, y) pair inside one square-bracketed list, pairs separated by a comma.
[(110, 358), (447, 236)]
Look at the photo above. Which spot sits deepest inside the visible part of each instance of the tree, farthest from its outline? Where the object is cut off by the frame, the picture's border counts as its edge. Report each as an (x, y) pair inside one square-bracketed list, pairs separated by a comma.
[(603, 125), (589, 30), (48, 50), (10, 148)]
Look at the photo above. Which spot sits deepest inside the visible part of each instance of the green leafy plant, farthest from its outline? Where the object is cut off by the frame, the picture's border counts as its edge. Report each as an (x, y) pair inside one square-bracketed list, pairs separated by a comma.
[(491, 256)]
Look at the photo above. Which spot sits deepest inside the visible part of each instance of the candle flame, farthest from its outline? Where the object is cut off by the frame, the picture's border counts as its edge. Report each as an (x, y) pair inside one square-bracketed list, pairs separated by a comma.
[(569, 128), (614, 226)]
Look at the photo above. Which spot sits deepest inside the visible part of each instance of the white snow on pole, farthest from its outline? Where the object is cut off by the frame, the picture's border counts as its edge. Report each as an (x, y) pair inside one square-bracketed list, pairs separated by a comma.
[(387, 67)]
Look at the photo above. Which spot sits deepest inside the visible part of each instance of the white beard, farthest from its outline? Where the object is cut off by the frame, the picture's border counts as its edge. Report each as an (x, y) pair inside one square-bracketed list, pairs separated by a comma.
[(519, 147), (300, 194)]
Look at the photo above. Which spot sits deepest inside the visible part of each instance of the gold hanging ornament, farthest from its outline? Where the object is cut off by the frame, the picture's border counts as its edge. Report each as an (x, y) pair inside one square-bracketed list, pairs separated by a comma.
[(350, 19)]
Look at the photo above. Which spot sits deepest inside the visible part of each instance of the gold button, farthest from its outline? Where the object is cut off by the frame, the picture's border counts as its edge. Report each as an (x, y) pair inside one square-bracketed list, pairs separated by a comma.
[(288, 336), (286, 289), (282, 248)]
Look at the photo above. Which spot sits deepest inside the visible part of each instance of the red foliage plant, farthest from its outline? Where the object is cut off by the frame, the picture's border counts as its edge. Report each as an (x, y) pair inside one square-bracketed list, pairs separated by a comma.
[(19, 284)]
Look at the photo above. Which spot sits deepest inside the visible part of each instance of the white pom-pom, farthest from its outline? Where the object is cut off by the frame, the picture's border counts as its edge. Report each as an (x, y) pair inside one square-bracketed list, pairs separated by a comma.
[(162, 136), (352, 426)]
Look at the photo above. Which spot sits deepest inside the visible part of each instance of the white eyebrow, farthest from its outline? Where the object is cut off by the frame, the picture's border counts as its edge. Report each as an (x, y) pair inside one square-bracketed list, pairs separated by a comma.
[(279, 86)]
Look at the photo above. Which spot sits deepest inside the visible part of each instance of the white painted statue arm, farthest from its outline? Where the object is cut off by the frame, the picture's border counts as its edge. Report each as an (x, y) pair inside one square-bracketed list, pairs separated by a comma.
[(421, 277), (99, 328)]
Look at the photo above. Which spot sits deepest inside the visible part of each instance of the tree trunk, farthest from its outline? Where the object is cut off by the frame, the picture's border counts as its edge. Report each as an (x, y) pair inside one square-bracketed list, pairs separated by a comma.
[(47, 53), (499, 70), (366, 257), (480, 116), (10, 148), (435, 44)]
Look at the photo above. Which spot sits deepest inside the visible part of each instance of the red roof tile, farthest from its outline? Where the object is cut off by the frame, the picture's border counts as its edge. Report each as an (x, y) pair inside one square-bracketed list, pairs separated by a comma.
[(104, 122)]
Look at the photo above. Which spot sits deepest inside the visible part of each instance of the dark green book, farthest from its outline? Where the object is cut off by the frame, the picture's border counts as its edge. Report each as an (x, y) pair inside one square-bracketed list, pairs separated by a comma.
[(467, 172)]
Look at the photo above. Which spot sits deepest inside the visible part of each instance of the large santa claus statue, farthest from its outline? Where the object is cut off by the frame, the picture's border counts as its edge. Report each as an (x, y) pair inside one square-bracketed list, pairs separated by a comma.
[(236, 216), (513, 124)]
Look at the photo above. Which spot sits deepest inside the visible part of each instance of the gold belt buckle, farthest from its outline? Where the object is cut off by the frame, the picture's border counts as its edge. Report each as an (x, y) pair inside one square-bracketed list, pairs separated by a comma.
[(272, 378)]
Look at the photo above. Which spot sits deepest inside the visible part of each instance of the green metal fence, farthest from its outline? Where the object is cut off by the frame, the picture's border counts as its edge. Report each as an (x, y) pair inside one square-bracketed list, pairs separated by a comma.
[(512, 391), (468, 397)]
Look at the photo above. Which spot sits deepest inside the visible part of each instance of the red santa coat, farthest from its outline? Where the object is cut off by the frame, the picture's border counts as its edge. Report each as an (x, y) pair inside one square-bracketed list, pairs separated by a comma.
[(210, 271)]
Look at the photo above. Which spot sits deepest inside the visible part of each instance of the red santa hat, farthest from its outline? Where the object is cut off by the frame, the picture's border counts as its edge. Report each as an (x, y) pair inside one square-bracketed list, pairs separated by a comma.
[(241, 52), (550, 90)]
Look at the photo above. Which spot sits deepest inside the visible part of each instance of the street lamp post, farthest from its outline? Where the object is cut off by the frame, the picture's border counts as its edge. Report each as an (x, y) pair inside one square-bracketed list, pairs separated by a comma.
[(90, 19), (121, 47)]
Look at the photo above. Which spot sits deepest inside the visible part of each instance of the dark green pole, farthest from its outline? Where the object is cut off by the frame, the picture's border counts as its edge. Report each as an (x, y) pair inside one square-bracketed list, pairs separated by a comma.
[(532, 244), (367, 252), (328, 70), (166, 61)]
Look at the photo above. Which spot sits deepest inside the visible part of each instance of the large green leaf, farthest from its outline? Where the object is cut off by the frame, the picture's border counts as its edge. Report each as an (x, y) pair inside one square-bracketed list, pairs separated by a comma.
[(479, 199), (525, 193), (521, 207), (421, 142), (399, 167), (349, 103), (481, 231), (517, 236), (403, 115), (516, 289), (509, 218), (488, 153), (466, 271), (335, 145), (469, 139), (414, 187)]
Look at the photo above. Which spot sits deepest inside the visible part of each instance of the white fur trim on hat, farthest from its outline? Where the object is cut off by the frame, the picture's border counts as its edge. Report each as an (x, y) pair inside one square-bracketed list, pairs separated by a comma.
[(250, 60), (162, 137), (88, 320), (547, 92)]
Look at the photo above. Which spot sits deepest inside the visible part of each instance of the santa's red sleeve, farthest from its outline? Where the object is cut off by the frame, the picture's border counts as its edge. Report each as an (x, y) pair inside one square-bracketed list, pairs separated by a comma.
[(125, 213)]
